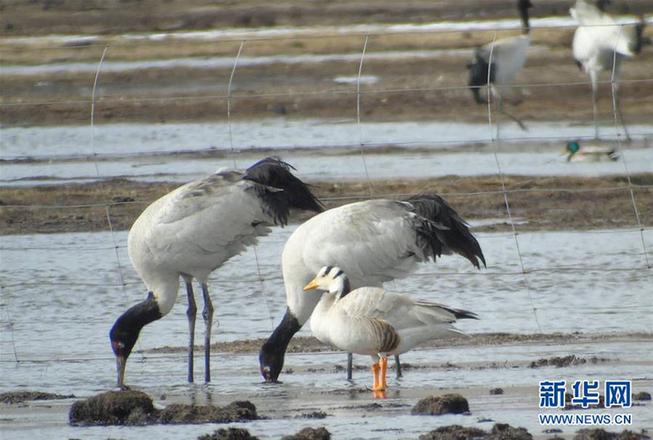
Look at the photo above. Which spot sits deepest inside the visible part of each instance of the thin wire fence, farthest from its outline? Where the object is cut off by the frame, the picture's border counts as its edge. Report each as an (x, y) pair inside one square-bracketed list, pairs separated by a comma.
[(263, 270)]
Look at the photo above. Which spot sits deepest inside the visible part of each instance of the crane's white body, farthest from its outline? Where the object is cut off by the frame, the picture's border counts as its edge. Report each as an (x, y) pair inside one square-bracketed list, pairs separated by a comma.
[(368, 318), (508, 56), (372, 241), (193, 230), (599, 39), (601, 44)]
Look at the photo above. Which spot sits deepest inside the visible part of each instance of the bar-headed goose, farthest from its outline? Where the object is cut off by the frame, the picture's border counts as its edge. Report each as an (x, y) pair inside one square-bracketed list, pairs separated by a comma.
[(372, 321)]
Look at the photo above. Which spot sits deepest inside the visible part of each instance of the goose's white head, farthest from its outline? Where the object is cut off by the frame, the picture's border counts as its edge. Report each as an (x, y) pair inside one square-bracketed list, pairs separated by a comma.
[(332, 279)]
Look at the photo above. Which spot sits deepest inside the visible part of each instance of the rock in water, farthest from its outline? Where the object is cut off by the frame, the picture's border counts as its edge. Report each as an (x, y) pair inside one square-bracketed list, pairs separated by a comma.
[(310, 434), (445, 404), (234, 412), (454, 432), (113, 408), (229, 434)]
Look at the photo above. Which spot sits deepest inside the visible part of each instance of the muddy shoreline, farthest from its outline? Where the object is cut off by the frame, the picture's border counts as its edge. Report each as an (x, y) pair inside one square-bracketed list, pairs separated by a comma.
[(46, 17), (309, 344), (539, 203)]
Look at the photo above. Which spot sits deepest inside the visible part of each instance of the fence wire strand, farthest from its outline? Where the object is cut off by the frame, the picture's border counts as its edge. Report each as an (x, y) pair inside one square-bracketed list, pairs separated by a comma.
[(266, 272)]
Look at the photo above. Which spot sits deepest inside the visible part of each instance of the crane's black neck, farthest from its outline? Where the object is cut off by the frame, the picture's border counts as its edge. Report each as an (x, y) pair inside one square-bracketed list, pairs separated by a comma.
[(128, 326), (273, 351), (281, 336)]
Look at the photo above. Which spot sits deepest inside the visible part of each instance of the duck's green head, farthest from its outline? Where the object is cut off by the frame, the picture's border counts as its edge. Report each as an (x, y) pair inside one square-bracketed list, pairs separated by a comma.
[(572, 148)]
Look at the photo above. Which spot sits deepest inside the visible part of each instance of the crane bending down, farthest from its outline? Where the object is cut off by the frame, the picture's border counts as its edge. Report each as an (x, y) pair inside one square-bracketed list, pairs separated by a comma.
[(192, 231), (497, 64), (599, 44), (373, 242)]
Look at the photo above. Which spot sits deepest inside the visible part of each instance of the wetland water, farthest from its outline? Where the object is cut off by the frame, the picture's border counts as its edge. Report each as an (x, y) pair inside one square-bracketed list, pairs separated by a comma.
[(62, 292), (319, 149)]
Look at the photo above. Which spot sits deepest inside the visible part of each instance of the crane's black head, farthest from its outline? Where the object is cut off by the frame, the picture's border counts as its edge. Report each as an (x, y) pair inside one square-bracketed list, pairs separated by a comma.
[(126, 329), (273, 351)]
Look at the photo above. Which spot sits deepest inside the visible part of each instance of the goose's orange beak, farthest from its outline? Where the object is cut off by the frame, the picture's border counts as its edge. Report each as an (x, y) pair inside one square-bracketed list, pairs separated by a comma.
[(311, 285)]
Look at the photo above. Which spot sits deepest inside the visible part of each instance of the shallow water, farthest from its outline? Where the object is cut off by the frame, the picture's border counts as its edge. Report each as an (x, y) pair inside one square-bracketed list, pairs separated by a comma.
[(69, 285), (62, 292), (182, 152)]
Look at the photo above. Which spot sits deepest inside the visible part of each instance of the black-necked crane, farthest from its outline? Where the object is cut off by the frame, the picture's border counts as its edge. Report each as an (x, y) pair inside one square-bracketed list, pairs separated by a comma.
[(373, 241), (372, 321), (599, 44), (497, 64), (190, 232)]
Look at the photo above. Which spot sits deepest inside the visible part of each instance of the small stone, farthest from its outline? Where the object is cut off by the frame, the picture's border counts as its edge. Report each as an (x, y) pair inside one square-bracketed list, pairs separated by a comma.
[(454, 432), (495, 391), (112, 408), (229, 434), (310, 434), (503, 431), (642, 395), (437, 405)]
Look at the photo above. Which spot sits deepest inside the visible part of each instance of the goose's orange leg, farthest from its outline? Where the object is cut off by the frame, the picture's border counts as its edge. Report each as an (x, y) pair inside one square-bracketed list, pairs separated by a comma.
[(375, 375), (383, 372)]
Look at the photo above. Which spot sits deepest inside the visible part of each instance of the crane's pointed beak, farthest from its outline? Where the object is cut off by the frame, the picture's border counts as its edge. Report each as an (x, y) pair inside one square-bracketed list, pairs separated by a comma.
[(121, 363), (311, 285)]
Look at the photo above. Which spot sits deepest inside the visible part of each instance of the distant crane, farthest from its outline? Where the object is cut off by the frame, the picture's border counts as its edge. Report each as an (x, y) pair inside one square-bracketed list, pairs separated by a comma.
[(497, 64), (602, 44), (192, 231)]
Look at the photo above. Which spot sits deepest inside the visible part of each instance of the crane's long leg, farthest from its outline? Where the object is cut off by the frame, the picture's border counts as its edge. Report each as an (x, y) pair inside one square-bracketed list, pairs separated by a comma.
[(207, 314), (350, 366), (620, 115), (514, 118), (191, 313), (595, 100), (398, 366)]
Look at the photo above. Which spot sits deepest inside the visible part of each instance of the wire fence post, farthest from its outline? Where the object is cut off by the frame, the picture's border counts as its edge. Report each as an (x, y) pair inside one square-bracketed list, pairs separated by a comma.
[(231, 80), (497, 142), (616, 111), (358, 116)]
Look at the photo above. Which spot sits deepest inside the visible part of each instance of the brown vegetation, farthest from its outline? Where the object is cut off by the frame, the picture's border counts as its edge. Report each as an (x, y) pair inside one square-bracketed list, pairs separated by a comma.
[(540, 203)]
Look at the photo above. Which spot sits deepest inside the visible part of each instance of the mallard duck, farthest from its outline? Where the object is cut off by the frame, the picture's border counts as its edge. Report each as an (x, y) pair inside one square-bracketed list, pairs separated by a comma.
[(576, 153)]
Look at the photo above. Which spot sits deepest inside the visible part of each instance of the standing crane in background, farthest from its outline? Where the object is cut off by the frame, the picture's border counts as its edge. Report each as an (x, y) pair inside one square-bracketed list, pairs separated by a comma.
[(497, 64), (599, 44)]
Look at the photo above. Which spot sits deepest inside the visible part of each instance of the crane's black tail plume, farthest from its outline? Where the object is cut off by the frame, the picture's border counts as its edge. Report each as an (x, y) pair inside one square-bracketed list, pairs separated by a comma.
[(280, 190), (443, 230), (479, 73)]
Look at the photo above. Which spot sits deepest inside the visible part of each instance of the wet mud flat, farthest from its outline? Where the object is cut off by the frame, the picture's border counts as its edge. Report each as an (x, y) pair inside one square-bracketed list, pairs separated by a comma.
[(319, 397), (542, 203), (42, 17), (415, 75)]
